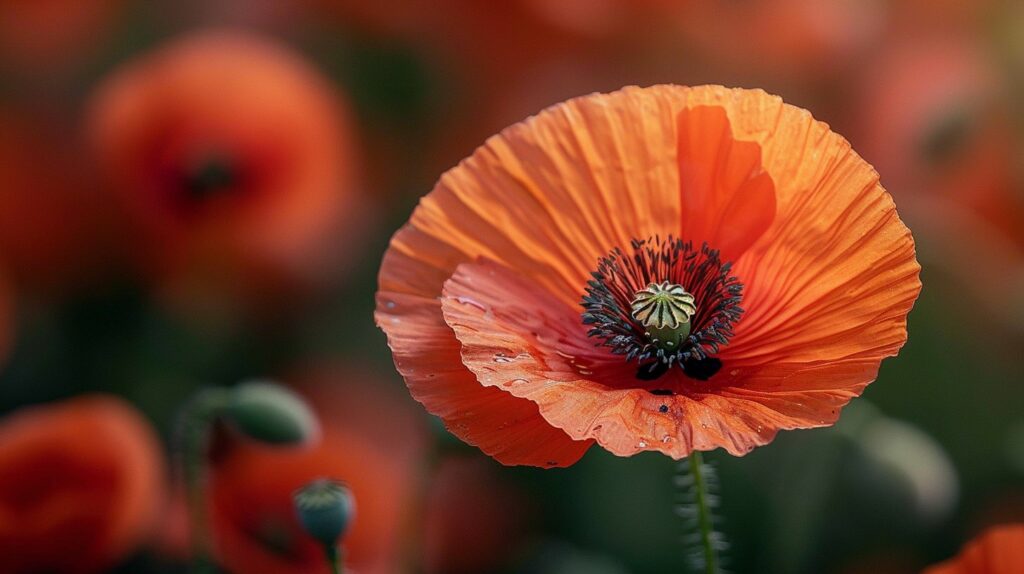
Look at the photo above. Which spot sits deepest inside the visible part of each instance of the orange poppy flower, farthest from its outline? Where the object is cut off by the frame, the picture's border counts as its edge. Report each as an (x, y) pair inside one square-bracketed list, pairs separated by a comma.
[(255, 529), (740, 268), (232, 158), (80, 485), (999, 550)]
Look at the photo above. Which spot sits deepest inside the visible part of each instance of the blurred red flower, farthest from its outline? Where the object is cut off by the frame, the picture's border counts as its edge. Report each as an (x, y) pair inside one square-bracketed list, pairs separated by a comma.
[(726, 214), (803, 40), (473, 520), (53, 232), (493, 58), (80, 485), (233, 160), (371, 441), (482, 30), (934, 120), (49, 33), (998, 550)]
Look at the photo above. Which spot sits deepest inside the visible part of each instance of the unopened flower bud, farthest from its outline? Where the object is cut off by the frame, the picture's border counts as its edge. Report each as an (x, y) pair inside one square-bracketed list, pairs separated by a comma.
[(270, 413), (325, 508)]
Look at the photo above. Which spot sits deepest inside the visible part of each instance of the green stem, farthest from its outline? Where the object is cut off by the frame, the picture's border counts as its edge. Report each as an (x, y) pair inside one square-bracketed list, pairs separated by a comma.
[(333, 558), (194, 431), (704, 520)]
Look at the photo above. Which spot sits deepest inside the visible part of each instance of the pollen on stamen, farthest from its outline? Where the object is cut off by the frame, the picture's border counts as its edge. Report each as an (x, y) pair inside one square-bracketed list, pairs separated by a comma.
[(663, 303)]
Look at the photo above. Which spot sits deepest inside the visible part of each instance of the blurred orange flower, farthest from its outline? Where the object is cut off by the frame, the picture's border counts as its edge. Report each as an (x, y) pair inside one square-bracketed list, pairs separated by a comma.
[(665, 210), (80, 485), (49, 33), (252, 513), (998, 550), (233, 159)]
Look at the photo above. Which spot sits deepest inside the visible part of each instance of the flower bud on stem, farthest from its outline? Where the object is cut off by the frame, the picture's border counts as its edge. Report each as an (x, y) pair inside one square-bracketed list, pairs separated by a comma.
[(325, 509), (260, 411)]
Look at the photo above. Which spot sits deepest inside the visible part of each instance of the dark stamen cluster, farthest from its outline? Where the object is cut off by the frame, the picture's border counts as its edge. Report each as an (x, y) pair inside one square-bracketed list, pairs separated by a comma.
[(619, 276)]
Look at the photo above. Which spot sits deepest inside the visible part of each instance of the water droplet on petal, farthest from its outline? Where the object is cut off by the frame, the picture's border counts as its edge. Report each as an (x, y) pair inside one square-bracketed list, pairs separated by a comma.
[(641, 444), (472, 303)]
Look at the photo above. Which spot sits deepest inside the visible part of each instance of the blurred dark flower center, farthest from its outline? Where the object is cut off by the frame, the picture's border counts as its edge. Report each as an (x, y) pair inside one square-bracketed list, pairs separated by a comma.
[(947, 135), (211, 174)]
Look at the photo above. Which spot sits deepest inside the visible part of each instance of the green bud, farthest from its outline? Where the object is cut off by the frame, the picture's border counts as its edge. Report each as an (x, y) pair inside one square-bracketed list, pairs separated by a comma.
[(270, 413), (325, 509)]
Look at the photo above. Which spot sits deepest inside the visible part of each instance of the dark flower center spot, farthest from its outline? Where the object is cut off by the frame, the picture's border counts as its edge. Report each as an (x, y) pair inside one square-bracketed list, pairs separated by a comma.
[(212, 175), (664, 303)]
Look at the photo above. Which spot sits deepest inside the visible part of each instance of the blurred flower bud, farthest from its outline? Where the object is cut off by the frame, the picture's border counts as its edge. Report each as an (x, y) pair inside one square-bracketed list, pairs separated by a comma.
[(325, 508), (911, 456), (270, 413)]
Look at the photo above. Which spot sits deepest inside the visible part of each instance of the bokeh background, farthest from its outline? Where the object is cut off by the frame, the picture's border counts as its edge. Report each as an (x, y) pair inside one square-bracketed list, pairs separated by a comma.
[(198, 193)]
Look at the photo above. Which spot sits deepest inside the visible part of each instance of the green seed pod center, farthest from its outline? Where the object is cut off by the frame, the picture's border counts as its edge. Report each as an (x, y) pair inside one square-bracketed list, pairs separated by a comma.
[(664, 309)]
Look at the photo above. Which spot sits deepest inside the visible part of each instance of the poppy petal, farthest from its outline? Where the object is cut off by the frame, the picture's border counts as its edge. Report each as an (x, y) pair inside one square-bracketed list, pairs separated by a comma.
[(507, 428), (835, 275), (426, 353), (728, 200)]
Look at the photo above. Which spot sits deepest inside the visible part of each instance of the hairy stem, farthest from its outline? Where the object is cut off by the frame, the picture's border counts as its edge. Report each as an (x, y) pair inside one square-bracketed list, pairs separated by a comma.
[(705, 523)]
